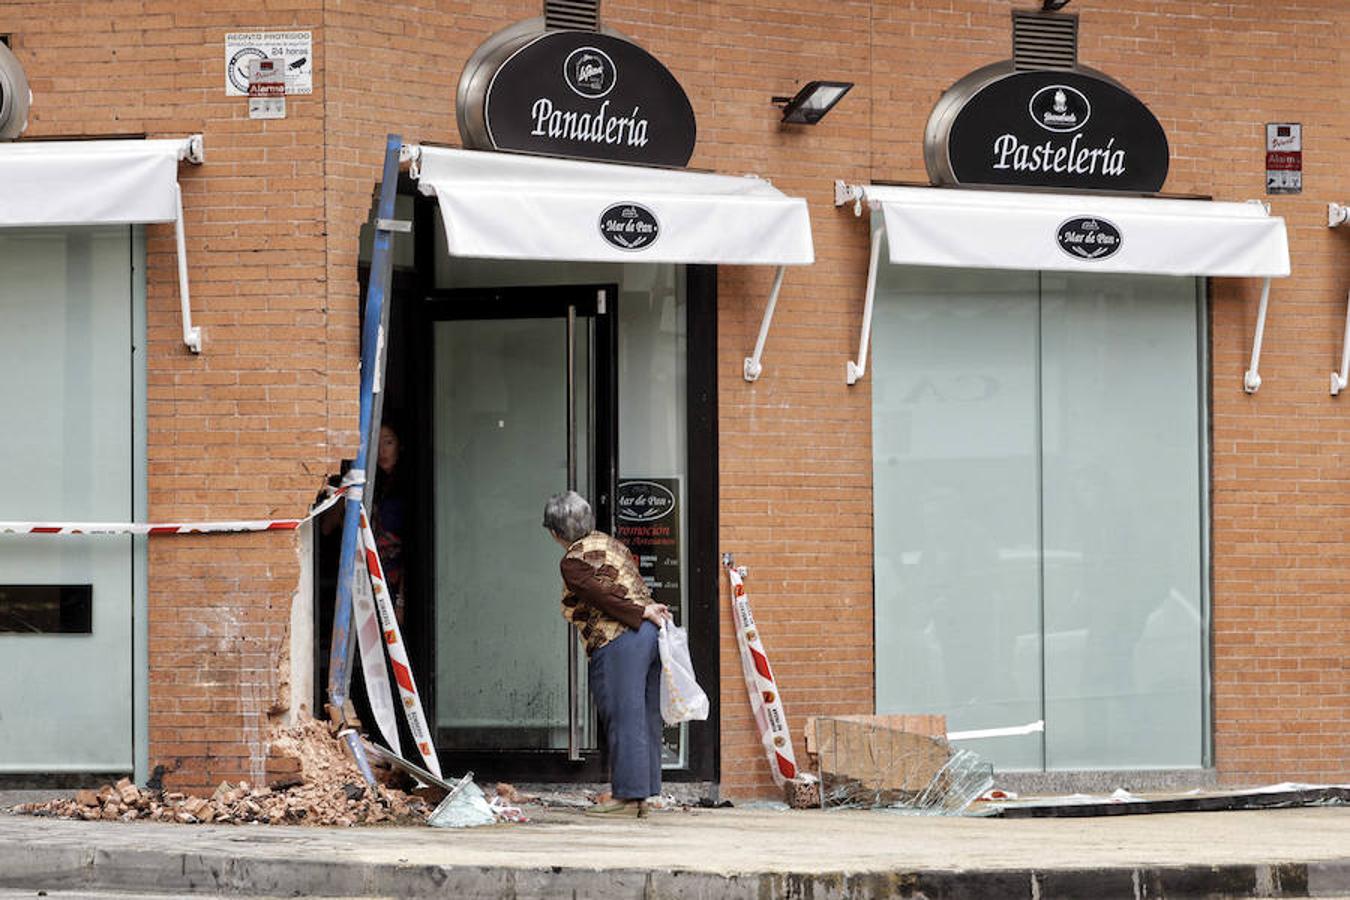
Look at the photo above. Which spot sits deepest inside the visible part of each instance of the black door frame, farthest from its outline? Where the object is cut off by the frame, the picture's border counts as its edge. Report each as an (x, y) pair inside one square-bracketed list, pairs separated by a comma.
[(408, 368)]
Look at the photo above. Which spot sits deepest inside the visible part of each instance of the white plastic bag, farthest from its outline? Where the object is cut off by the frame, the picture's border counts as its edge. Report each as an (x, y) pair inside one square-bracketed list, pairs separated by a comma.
[(682, 700)]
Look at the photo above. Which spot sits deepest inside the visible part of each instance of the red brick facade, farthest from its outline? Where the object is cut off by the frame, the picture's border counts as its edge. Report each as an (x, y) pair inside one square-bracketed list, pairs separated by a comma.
[(247, 429)]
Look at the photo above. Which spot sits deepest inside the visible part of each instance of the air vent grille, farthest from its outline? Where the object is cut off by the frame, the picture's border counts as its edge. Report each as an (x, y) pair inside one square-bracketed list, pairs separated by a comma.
[(1044, 41), (572, 15)]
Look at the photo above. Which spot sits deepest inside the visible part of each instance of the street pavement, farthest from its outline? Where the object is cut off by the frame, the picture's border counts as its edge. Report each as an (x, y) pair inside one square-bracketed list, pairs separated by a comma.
[(751, 853)]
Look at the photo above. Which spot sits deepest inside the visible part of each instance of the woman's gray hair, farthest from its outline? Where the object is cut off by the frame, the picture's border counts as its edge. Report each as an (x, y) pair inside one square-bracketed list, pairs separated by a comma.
[(569, 516)]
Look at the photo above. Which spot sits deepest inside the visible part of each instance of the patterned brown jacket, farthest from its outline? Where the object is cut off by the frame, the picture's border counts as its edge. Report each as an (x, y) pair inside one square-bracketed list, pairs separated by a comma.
[(605, 594)]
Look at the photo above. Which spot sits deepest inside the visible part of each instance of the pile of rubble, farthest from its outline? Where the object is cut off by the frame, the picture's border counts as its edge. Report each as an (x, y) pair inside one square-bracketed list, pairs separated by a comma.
[(311, 781)]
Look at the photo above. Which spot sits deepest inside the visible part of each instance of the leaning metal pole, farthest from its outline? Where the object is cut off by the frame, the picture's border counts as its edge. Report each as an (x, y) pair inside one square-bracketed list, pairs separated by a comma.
[(372, 362)]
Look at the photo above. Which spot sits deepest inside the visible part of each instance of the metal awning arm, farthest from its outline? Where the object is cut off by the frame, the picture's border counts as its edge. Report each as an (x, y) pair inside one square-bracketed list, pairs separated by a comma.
[(752, 364), (845, 193), (856, 369), (1338, 214), (192, 336), (1339, 379), (1252, 380)]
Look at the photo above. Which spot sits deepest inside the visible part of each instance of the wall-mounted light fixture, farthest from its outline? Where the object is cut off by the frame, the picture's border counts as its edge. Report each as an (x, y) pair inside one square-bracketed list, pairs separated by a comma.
[(812, 102)]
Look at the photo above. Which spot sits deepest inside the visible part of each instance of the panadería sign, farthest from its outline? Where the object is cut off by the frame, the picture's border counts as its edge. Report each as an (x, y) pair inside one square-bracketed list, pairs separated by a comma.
[(1062, 129), (579, 94)]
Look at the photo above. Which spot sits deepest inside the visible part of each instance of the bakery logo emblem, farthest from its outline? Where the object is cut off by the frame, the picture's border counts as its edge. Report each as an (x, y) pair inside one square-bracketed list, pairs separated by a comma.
[(644, 501), (1060, 108), (590, 72), (629, 226), (1088, 238)]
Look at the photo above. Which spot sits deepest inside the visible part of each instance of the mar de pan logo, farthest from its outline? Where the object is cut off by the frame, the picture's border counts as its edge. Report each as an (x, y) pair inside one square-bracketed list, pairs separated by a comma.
[(1060, 108), (590, 72), (629, 226), (1088, 238)]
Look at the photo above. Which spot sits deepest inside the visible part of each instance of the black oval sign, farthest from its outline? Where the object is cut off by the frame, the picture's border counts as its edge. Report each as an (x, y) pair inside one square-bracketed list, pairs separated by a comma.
[(629, 226), (1047, 129), (1088, 238), (589, 96), (644, 501)]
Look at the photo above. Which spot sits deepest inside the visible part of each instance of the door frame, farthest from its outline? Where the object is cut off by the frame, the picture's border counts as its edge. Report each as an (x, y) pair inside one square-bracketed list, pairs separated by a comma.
[(460, 304), (704, 589)]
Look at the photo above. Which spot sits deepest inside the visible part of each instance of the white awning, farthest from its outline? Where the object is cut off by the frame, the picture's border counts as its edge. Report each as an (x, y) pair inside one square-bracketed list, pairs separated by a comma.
[(1009, 230), (91, 182), (509, 206), (64, 183), (986, 229)]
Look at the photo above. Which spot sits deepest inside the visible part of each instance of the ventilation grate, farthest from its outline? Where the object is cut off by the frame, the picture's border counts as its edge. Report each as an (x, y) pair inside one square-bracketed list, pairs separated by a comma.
[(572, 15), (1044, 41)]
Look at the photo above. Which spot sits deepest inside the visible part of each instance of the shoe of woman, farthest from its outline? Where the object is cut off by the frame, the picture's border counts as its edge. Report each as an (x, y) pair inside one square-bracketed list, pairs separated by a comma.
[(619, 809)]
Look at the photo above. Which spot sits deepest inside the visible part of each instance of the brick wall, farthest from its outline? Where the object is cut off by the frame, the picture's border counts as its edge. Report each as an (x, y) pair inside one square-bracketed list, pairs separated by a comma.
[(239, 431), (248, 428)]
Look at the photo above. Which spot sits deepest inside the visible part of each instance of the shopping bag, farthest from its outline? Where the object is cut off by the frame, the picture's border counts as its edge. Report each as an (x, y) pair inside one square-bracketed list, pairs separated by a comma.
[(682, 700)]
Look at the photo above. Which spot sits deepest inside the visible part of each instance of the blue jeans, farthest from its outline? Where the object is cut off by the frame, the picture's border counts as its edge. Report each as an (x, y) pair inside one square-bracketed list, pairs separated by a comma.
[(625, 677)]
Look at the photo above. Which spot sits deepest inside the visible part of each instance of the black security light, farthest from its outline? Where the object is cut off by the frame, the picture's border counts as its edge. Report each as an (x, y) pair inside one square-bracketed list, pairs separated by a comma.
[(813, 101)]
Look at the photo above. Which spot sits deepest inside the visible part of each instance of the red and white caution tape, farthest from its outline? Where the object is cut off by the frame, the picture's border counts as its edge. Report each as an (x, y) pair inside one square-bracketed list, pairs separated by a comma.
[(171, 527), (370, 639), (398, 654), (760, 684)]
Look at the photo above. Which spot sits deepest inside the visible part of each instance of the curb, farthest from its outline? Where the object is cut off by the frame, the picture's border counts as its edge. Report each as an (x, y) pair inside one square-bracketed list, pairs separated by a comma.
[(39, 867)]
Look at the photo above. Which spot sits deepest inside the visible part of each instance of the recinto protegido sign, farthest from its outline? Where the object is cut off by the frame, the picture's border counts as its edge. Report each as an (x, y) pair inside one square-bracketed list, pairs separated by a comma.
[(1046, 129), (588, 95)]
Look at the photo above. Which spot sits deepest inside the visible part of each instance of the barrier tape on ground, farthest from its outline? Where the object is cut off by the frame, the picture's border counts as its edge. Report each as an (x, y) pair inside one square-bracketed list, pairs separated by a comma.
[(370, 639), (398, 654), (65, 528), (760, 685)]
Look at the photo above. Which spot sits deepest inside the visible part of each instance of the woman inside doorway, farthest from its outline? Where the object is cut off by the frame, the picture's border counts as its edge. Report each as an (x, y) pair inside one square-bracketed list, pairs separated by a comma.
[(609, 604)]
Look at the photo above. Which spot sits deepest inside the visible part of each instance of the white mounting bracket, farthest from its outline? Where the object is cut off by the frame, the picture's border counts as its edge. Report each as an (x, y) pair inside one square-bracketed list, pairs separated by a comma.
[(412, 155), (753, 368), (193, 151), (1339, 379), (1251, 381), (856, 369), (849, 193), (1337, 215)]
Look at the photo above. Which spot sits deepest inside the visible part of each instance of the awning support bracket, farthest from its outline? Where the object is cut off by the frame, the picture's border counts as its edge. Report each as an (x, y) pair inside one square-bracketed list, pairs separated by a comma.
[(856, 369), (1251, 381), (1339, 380), (753, 368), (1338, 214), (192, 335), (192, 151)]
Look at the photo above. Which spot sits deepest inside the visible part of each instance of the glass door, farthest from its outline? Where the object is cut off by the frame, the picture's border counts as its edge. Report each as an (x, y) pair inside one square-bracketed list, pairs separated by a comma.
[(66, 602), (522, 403), (1040, 503)]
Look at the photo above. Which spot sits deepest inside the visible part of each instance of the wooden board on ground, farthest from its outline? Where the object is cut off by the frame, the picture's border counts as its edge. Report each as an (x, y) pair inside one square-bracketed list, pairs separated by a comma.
[(877, 755), (931, 725)]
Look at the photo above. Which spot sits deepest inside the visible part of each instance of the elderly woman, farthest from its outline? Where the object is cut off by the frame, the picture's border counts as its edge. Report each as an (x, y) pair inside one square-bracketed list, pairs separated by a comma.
[(607, 601)]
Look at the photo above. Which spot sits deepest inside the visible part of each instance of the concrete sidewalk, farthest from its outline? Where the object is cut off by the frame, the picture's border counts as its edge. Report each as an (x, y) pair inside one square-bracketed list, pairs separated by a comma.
[(735, 853)]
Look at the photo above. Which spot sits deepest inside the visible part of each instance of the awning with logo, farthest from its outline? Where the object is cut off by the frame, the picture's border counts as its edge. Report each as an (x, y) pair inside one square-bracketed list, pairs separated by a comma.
[(507, 206), (992, 229), (65, 183)]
